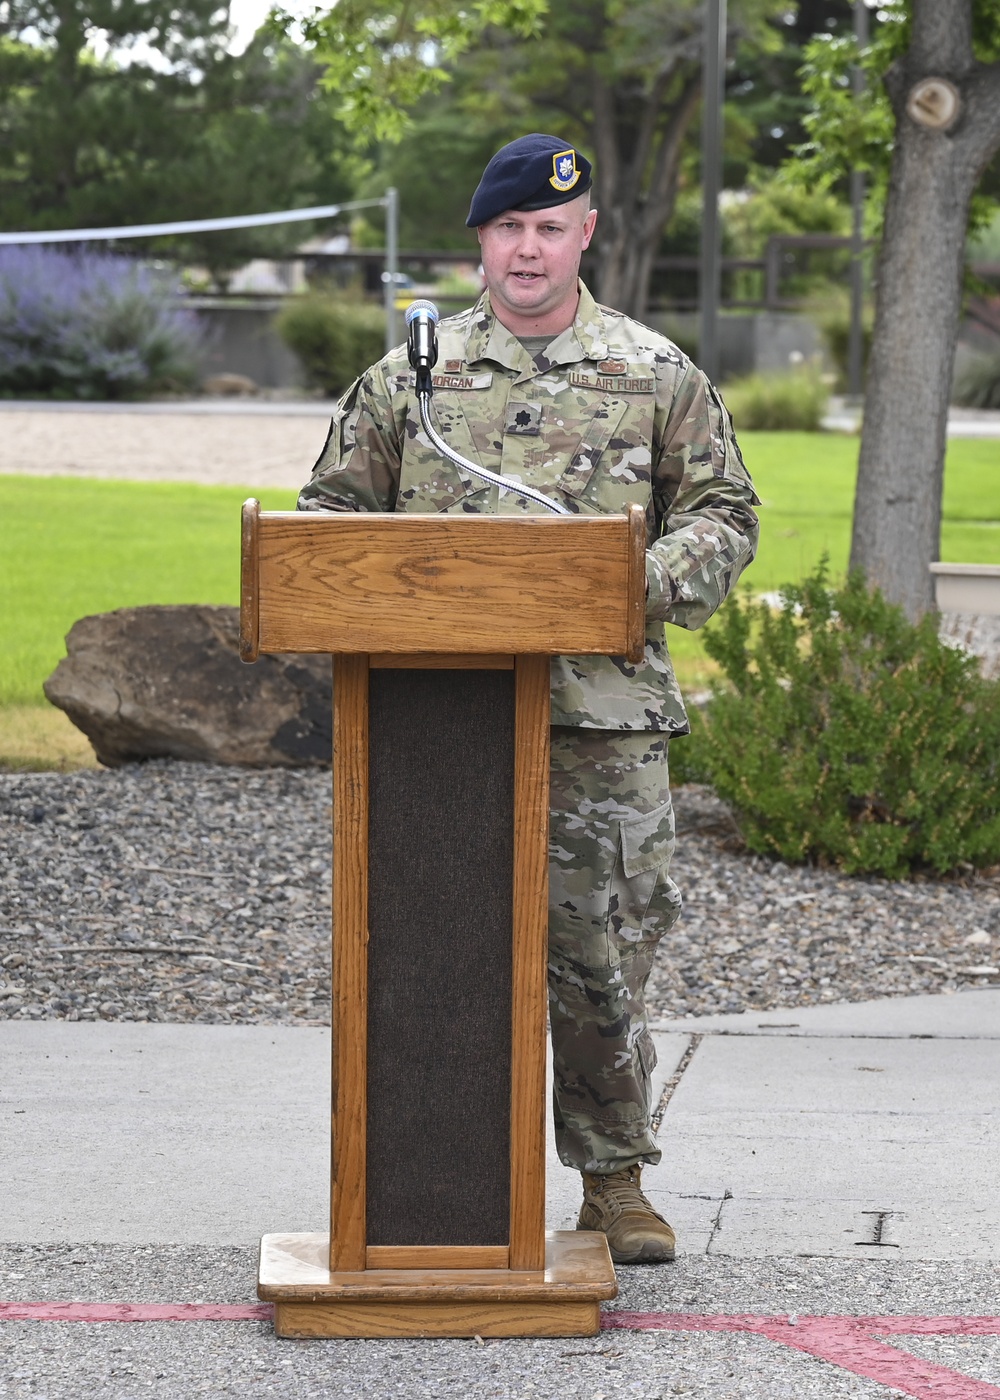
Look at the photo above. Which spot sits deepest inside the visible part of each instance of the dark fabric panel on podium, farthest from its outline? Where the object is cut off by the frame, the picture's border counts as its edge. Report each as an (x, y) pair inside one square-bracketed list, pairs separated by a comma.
[(441, 814)]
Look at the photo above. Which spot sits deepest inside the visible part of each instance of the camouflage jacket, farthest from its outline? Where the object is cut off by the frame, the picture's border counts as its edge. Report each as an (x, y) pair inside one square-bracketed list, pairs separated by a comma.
[(612, 413)]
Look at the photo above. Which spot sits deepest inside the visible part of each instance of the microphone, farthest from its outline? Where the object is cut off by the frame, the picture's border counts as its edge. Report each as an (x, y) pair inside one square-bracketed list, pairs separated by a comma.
[(421, 341)]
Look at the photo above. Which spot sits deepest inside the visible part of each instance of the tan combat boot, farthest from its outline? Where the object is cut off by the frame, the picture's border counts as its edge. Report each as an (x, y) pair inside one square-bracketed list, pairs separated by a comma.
[(615, 1205)]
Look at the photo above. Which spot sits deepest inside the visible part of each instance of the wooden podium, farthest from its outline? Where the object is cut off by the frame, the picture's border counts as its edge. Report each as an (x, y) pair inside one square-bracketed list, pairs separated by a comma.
[(441, 628)]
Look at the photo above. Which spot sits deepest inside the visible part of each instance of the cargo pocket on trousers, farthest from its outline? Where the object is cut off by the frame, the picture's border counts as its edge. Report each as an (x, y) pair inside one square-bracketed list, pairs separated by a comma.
[(644, 901), (646, 1051)]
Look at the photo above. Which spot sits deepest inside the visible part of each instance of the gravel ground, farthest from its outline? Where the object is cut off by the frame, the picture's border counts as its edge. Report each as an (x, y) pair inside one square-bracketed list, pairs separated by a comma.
[(977, 1357), (184, 892)]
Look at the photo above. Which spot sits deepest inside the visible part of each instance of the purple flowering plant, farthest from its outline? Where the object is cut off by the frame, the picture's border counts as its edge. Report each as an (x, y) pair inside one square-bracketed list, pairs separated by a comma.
[(83, 325)]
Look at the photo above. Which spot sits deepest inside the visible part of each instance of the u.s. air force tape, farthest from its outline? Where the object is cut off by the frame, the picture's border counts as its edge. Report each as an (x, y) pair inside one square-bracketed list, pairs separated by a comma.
[(619, 383)]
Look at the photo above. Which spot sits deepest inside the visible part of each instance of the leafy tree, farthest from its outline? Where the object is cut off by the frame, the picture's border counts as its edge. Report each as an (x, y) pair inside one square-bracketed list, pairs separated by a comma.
[(382, 59), (774, 206), (64, 110), (436, 165), (927, 129), (763, 123), (622, 80), (260, 135), (765, 103), (161, 124)]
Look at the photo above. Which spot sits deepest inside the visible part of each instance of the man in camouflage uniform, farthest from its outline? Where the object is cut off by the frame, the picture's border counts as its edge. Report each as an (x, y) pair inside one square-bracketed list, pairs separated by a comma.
[(539, 383)]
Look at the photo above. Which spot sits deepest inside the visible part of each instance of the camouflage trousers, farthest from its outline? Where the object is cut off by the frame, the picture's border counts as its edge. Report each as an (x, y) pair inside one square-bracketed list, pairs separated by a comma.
[(611, 900)]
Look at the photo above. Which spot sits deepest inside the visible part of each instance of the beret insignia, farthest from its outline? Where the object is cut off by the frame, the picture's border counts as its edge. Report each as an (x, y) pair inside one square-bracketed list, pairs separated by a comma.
[(564, 172)]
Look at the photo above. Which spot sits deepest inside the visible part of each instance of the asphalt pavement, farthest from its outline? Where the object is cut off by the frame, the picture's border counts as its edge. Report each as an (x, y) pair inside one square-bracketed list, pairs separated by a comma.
[(821, 1166)]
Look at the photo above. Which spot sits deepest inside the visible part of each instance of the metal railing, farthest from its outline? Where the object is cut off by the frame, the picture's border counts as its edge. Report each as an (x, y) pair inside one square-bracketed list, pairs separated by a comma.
[(782, 259)]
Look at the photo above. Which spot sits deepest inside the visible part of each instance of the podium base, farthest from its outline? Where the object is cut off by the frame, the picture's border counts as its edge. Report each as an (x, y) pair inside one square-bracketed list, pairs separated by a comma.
[(561, 1301)]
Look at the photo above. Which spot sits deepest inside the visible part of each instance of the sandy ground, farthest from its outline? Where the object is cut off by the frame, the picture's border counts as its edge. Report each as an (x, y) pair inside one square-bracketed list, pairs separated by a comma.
[(276, 447), (255, 442)]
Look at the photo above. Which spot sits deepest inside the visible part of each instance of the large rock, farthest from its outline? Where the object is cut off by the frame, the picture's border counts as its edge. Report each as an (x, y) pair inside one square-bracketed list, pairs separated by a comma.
[(167, 682)]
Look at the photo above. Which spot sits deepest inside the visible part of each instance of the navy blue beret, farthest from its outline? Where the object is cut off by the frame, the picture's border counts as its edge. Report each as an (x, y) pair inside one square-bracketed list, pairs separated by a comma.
[(533, 172)]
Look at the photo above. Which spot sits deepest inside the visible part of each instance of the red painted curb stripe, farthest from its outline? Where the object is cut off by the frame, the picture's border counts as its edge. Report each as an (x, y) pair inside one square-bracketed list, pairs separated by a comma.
[(849, 1342), (846, 1342), (856, 1350), (135, 1312)]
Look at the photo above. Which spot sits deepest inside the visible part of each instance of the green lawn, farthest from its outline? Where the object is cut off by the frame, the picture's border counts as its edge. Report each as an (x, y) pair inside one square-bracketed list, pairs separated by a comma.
[(806, 484), (72, 547), (77, 546)]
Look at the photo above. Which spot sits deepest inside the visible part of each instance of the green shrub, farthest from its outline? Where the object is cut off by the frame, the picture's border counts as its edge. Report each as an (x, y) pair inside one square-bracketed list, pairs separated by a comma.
[(793, 401), (983, 244), (978, 385), (848, 736), (455, 288), (335, 337), (83, 325)]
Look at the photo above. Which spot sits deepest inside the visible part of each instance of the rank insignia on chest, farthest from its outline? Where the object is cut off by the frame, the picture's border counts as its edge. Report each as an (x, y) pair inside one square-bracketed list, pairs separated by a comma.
[(523, 419)]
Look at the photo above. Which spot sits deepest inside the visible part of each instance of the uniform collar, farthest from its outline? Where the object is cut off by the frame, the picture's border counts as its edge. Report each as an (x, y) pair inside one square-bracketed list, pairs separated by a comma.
[(488, 339)]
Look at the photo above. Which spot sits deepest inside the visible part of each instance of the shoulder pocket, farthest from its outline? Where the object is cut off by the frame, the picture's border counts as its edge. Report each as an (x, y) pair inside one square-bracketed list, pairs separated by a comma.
[(339, 440), (727, 459)]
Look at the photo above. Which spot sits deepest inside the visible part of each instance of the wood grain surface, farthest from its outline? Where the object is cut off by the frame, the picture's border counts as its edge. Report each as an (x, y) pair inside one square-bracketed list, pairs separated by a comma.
[(438, 661), (437, 1319), (350, 962), (531, 917), (381, 1256), (295, 1268), (635, 587), (250, 582), (444, 583)]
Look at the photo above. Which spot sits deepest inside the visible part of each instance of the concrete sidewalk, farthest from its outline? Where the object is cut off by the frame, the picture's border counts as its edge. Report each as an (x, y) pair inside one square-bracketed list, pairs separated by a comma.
[(844, 417), (182, 1134), (786, 1134), (835, 1160), (840, 1131), (841, 416)]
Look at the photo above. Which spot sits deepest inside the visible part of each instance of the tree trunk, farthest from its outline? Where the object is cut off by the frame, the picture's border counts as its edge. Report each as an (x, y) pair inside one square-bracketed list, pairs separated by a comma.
[(632, 218), (897, 508)]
